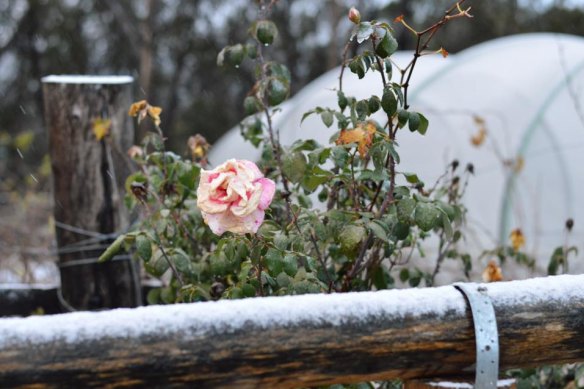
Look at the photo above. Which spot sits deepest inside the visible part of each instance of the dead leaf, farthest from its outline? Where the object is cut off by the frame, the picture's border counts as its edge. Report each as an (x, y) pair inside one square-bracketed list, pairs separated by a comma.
[(492, 272), (362, 135), (198, 146), (517, 239), (479, 138), (142, 108), (101, 128)]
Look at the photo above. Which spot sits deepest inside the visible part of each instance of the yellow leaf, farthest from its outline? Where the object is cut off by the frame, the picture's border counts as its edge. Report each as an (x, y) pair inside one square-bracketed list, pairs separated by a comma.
[(362, 135), (101, 128), (492, 272), (517, 239), (479, 138), (142, 108), (137, 107), (198, 146), (154, 113), (519, 164)]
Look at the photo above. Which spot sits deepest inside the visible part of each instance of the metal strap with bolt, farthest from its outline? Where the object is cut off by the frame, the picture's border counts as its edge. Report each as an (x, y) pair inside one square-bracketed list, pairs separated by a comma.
[(486, 334)]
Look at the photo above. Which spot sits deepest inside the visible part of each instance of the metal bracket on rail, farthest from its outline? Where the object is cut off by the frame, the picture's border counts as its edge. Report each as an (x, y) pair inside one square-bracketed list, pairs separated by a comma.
[(486, 334)]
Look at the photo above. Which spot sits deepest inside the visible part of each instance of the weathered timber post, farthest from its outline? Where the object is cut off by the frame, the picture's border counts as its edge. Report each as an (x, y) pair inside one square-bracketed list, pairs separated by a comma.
[(295, 341), (88, 186)]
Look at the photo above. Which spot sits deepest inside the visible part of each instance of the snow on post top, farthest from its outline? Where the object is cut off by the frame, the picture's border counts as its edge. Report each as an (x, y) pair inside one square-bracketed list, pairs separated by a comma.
[(87, 79)]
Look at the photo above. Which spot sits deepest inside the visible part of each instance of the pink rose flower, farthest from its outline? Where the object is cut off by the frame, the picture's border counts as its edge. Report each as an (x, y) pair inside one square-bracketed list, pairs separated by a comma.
[(233, 197)]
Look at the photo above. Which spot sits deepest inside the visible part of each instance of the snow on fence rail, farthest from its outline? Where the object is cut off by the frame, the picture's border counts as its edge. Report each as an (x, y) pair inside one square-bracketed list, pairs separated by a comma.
[(295, 340)]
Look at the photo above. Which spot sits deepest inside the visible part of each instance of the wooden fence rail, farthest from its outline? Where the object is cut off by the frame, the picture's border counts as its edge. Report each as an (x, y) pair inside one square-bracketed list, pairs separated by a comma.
[(294, 341)]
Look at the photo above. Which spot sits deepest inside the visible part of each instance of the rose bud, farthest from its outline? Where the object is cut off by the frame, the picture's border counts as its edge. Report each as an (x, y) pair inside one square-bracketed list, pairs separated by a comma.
[(354, 15)]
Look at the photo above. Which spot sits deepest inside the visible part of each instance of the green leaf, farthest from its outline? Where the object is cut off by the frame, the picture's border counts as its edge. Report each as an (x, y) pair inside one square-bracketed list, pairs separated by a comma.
[(277, 91), (373, 104), (143, 247), (181, 260), (158, 265), (393, 151), (423, 127), (113, 249), (307, 114), (375, 175), (248, 290), (350, 238), (405, 209), (402, 117), (231, 55), (251, 50), (404, 274), (387, 46), (304, 145), (388, 68), (378, 154), (427, 216), (283, 280), (340, 156), (381, 278), (389, 102), (251, 105), (412, 178), (414, 121), (364, 31), (311, 182), (274, 261), (265, 32), (447, 226), (327, 118), (379, 229), (290, 265), (342, 100), (362, 109), (279, 71), (153, 296), (294, 166), (356, 66)]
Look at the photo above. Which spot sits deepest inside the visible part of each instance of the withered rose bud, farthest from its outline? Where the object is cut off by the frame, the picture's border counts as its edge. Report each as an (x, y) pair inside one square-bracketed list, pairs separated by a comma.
[(455, 164), (569, 224), (139, 190), (198, 146), (470, 168), (217, 289), (135, 152), (354, 15)]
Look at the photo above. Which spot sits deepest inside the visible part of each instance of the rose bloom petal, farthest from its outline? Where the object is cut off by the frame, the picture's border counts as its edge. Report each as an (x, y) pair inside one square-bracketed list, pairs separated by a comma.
[(248, 204), (268, 190), (233, 197), (221, 222)]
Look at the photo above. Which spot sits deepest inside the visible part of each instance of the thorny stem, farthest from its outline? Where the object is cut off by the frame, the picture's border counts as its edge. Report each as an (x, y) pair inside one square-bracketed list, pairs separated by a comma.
[(389, 198), (276, 149), (172, 267), (319, 256), (423, 46), (444, 246)]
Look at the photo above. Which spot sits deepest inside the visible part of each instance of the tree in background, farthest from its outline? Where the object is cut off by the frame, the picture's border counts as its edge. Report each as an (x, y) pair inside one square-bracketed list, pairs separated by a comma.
[(170, 47)]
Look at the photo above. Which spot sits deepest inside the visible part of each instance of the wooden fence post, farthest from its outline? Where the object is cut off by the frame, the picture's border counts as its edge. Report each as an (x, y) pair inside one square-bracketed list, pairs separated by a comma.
[(88, 186), (296, 341)]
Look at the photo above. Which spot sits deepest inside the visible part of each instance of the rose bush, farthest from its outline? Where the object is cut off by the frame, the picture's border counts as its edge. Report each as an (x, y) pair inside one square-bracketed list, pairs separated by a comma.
[(234, 196), (207, 226)]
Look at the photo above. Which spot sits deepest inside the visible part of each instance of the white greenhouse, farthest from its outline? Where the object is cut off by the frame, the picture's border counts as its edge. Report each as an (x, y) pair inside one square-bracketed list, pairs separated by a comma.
[(529, 173)]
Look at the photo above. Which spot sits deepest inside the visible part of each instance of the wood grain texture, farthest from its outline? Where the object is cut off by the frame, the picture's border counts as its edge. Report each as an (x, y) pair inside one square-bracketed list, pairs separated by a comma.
[(88, 186), (533, 332)]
